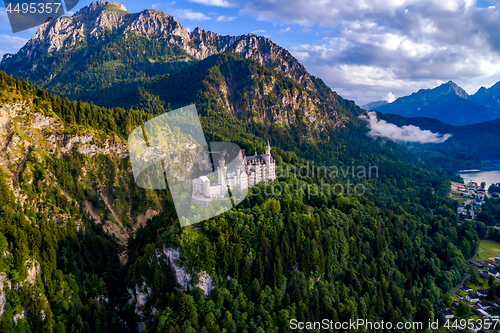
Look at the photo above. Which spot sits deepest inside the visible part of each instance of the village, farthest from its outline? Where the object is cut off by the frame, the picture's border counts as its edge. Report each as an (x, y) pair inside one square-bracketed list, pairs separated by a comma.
[(474, 299), (470, 198)]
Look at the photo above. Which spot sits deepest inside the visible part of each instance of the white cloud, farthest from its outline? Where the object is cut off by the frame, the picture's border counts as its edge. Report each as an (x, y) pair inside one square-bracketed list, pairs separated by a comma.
[(329, 13), (159, 5), (410, 133), (13, 41), (285, 30), (224, 18), (188, 14), (389, 97), (217, 3)]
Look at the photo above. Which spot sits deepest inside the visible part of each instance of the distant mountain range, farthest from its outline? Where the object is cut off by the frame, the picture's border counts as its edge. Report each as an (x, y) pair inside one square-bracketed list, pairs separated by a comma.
[(448, 103), (373, 105), (479, 140)]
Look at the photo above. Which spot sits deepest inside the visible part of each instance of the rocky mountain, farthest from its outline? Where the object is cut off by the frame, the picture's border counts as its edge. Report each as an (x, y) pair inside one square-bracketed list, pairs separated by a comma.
[(240, 89), (447, 102), (488, 96), (103, 44)]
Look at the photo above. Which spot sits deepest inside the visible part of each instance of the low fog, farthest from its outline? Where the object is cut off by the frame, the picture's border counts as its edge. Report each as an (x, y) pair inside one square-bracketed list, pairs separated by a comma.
[(407, 133)]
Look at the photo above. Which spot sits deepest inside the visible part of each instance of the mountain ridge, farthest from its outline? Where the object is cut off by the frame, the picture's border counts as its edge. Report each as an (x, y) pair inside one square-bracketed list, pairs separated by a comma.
[(479, 140), (488, 96), (72, 39)]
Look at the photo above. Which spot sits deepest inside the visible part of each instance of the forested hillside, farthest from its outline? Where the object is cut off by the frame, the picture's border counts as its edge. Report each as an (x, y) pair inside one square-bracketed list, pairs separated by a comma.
[(86, 250), (388, 254), (237, 97), (66, 210)]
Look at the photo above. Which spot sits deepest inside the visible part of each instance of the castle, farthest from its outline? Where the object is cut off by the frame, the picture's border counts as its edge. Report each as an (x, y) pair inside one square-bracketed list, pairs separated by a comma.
[(260, 167), (252, 171)]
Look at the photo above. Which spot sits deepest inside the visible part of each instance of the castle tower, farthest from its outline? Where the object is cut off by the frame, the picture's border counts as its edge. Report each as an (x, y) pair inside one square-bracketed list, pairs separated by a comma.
[(221, 175), (267, 155), (266, 174)]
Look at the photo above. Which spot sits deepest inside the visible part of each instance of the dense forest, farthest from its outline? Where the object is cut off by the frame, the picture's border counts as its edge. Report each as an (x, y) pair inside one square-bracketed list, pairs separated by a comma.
[(388, 254), (490, 212), (290, 257), (57, 264), (494, 188)]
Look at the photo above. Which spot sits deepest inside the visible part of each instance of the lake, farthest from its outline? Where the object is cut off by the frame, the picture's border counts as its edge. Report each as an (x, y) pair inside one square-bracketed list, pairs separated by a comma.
[(488, 173)]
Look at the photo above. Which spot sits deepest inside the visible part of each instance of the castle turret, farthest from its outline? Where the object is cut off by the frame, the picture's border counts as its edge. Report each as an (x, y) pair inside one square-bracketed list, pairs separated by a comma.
[(268, 148), (267, 155), (221, 175), (270, 167)]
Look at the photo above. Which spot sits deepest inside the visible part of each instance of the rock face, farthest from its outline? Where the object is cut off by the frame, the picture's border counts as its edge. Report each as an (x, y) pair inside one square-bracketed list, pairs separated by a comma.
[(34, 271), (183, 277), (77, 33), (140, 293), (205, 281), (66, 32), (4, 283), (21, 128)]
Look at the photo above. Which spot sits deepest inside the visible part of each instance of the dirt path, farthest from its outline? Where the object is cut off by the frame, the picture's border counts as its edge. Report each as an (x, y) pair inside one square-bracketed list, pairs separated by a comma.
[(143, 219), (25, 157), (460, 285), (110, 227), (105, 198), (89, 208)]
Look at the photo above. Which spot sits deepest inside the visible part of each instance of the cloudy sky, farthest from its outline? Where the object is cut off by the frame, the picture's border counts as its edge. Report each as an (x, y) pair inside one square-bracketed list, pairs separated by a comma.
[(364, 50)]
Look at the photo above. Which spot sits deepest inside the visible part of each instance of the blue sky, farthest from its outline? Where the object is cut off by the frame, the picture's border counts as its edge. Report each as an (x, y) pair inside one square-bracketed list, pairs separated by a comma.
[(364, 50)]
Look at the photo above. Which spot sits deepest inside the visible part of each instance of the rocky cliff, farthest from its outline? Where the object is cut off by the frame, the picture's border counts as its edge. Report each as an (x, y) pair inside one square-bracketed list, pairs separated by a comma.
[(33, 143)]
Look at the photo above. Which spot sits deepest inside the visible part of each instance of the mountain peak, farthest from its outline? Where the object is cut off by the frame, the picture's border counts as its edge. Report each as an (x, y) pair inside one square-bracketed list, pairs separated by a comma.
[(451, 87), (488, 96), (447, 102), (98, 6), (447, 88)]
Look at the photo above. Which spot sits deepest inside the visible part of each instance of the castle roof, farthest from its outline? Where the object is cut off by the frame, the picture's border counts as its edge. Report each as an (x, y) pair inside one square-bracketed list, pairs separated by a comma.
[(258, 159), (254, 158)]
